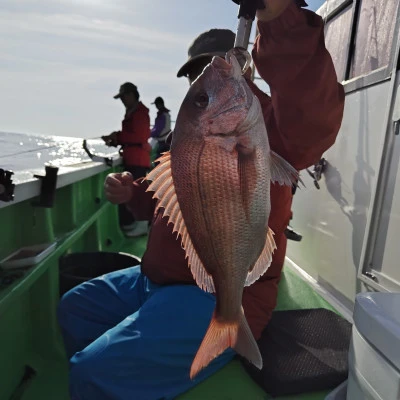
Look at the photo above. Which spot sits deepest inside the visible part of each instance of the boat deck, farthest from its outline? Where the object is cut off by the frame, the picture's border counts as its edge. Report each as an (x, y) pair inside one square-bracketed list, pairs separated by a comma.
[(82, 220), (230, 383)]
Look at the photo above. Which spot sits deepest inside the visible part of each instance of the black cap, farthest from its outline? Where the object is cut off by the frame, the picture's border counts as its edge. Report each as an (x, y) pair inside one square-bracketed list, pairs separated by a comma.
[(158, 100), (127, 87), (215, 42)]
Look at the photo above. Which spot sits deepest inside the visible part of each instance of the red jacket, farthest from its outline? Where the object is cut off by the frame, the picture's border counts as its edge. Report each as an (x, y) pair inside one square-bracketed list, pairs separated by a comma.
[(303, 116), (134, 137)]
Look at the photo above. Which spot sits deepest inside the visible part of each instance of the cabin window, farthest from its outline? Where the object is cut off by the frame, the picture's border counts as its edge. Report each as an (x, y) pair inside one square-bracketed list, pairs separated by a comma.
[(337, 33), (374, 37)]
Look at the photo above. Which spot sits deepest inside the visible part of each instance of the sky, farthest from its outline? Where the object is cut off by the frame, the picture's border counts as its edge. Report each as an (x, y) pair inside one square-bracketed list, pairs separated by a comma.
[(63, 60)]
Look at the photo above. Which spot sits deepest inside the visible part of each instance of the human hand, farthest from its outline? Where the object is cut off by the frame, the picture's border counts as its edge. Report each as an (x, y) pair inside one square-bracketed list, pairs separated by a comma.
[(118, 187), (272, 10), (111, 139)]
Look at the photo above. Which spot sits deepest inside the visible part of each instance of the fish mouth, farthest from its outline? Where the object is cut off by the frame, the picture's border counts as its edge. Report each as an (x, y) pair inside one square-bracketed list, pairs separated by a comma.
[(228, 67), (220, 63), (236, 62)]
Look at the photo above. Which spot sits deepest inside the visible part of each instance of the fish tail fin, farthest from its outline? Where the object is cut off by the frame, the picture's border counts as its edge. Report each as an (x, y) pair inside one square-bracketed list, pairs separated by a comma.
[(221, 336), (246, 345)]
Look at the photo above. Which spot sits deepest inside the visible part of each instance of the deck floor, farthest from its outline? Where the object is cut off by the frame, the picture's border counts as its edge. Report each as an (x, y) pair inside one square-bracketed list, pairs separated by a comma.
[(230, 383)]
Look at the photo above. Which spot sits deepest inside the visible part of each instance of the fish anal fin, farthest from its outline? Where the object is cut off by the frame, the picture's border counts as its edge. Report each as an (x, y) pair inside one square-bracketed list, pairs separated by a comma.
[(203, 279), (264, 260), (219, 337), (282, 172)]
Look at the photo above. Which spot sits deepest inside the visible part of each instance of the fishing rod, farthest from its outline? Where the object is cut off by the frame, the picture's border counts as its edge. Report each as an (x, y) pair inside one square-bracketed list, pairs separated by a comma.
[(246, 15), (106, 160)]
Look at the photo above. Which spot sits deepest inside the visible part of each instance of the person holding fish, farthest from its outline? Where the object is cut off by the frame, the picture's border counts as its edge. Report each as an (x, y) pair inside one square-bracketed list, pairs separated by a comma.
[(219, 203)]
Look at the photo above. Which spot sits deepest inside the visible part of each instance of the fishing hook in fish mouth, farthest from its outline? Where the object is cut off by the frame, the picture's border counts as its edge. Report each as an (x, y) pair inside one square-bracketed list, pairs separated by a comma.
[(243, 57)]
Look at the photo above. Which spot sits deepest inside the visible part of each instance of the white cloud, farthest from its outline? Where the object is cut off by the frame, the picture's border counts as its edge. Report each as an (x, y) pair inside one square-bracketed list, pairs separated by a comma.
[(62, 61), (84, 28), (66, 67)]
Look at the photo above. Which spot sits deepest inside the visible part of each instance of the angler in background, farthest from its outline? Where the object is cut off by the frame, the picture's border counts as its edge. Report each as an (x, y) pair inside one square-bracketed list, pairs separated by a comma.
[(135, 150), (133, 334), (162, 127)]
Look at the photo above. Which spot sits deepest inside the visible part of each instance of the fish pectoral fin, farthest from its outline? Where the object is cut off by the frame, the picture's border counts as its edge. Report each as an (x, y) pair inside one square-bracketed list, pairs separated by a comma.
[(219, 337), (264, 261), (247, 172), (164, 190), (282, 172)]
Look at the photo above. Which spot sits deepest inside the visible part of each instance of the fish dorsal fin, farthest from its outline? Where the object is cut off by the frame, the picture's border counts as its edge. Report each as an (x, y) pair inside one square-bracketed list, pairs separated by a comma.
[(264, 261), (164, 190), (282, 172)]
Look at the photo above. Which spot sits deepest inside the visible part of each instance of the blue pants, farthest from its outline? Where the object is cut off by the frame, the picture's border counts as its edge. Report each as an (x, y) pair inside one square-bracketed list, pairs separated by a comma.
[(128, 338)]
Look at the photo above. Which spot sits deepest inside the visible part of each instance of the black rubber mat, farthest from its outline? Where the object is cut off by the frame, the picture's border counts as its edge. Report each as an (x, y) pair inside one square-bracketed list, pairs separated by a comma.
[(303, 351)]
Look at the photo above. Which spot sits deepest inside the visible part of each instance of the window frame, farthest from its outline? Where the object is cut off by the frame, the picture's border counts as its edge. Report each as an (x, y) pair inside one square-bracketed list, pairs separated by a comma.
[(328, 13), (332, 8)]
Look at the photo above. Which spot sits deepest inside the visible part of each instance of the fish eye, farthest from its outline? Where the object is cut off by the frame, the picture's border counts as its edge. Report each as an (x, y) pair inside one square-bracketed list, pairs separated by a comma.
[(201, 100)]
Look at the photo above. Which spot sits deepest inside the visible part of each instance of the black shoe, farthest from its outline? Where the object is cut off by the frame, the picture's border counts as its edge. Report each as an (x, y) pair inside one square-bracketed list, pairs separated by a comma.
[(292, 235)]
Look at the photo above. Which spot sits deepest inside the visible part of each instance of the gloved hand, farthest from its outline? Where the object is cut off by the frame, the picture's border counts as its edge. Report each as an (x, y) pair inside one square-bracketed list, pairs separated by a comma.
[(118, 187), (111, 139), (248, 7), (272, 10)]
